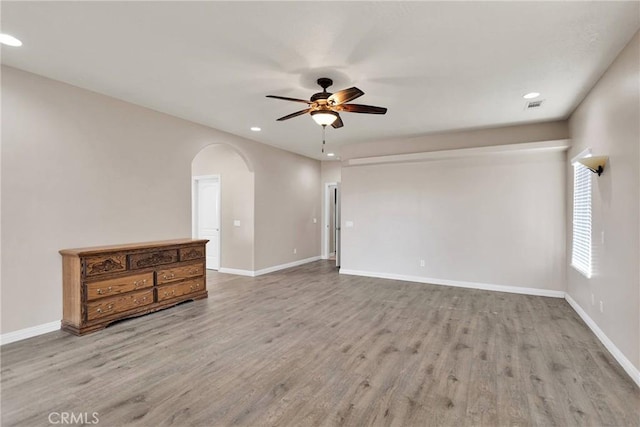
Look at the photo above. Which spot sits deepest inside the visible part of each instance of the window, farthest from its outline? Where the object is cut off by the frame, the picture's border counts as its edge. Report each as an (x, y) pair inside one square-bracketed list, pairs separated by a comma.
[(581, 246)]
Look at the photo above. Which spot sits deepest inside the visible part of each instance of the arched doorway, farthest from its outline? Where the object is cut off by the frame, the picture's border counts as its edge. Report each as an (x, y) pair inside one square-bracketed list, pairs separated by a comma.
[(223, 207)]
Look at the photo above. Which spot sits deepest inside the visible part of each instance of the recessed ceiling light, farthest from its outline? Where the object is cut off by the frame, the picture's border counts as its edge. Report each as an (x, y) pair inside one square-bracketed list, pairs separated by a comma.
[(255, 128), (9, 40), (330, 154), (531, 95)]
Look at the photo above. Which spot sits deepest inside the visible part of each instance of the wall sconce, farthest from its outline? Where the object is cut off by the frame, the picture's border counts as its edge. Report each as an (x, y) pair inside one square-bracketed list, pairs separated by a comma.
[(594, 164)]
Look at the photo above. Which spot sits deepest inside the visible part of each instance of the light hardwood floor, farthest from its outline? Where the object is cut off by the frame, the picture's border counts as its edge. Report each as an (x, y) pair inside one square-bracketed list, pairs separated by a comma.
[(307, 347)]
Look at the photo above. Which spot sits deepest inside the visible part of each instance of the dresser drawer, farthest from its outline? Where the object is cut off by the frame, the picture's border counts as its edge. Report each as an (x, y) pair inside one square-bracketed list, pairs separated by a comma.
[(151, 259), (179, 289), (194, 252), (111, 287), (179, 273), (103, 264), (109, 306)]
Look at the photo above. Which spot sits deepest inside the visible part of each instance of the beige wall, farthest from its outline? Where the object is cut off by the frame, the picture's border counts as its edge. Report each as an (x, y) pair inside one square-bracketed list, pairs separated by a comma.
[(236, 203), (607, 121), (82, 169), (495, 220), (330, 171), (287, 201)]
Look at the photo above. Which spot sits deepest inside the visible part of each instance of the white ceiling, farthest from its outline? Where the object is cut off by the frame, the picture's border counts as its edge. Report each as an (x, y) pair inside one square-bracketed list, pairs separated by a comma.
[(437, 66)]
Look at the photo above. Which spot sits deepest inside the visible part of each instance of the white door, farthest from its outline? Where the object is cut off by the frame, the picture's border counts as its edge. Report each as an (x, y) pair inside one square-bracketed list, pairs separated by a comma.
[(332, 221), (208, 218), (337, 223)]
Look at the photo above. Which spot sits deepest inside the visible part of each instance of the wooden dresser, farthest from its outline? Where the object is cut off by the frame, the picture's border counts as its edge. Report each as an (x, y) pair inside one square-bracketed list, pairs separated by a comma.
[(108, 283)]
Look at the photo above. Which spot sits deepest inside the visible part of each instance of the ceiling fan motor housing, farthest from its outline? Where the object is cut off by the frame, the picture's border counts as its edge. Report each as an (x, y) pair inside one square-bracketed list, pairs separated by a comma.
[(320, 95), (324, 84)]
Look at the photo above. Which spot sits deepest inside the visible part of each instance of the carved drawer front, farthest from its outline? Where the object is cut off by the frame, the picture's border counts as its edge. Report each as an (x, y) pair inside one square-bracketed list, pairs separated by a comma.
[(179, 273), (107, 288), (179, 289), (103, 264), (108, 306), (151, 259), (194, 252)]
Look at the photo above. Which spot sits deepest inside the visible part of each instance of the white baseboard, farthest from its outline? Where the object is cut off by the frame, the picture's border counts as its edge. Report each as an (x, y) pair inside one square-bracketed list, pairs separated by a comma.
[(33, 331), (236, 271), (626, 364), (268, 269), (458, 283), (287, 265)]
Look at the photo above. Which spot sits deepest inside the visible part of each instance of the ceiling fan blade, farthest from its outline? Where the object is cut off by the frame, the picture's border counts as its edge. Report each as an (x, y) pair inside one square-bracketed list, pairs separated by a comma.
[(338, 123), (289, 99), (296, 114), (345, 95), (367, 109)]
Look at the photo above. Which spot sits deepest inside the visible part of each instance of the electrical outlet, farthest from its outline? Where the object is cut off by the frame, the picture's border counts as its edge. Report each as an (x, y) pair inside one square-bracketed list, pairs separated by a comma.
[(601, 307), (315, 220), (422, 263), (295, 251), (593, 299), (602, 237)]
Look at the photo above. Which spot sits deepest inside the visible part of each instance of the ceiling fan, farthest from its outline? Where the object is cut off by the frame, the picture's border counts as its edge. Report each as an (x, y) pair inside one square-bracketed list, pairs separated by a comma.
[(324, 106)]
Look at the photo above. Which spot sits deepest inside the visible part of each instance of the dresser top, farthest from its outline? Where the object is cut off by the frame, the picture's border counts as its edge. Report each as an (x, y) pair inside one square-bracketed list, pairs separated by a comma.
[(95, 250)]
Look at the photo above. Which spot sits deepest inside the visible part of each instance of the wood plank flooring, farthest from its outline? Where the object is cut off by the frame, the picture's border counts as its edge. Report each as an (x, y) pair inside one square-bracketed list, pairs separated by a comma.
[(308, 347)]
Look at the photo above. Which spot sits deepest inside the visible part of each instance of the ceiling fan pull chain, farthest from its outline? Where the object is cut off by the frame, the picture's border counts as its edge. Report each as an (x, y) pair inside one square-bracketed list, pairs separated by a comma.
[(324, 128)]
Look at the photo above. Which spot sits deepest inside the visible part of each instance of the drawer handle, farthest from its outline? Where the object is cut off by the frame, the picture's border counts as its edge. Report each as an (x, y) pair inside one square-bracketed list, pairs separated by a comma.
[(139, 301), (194, 271), (138, 283), (197, 286), (102, 292), (166, 293), (170, 276), (109, 308)]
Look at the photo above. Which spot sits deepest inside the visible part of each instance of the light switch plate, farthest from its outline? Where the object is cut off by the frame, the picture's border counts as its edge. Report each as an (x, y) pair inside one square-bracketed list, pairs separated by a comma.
[(348, 224), (236, 223)]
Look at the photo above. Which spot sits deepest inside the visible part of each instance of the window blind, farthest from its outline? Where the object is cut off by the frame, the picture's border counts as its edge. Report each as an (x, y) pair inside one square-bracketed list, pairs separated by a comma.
[(581, 247)]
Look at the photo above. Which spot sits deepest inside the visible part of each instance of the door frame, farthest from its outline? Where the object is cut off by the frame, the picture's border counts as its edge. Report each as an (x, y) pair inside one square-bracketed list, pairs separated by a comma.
[(194, 210), (327, 216)]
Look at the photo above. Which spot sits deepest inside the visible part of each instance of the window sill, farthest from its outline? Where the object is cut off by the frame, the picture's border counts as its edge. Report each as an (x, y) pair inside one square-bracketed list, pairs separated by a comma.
[(584, 273)]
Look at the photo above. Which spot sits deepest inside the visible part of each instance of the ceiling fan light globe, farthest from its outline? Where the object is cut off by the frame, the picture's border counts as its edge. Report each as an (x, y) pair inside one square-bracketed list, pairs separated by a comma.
[(324, 118)]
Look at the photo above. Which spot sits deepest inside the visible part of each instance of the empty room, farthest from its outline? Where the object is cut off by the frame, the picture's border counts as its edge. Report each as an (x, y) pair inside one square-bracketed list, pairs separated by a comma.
[(319, 213)]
